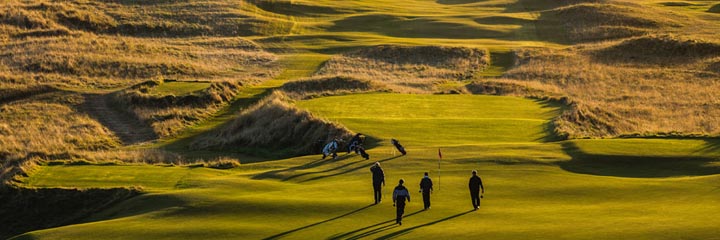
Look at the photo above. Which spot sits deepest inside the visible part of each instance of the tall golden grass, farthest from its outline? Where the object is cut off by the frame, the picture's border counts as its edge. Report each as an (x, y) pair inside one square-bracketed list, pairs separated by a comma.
[(119, 43), (274, 124), (35, 130), (668, 91), (168, 114), (607, 20), (408, 68), (327, 86)]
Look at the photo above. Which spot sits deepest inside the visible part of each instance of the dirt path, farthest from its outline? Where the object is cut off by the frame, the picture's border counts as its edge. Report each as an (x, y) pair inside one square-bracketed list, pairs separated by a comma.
[(129, 129)]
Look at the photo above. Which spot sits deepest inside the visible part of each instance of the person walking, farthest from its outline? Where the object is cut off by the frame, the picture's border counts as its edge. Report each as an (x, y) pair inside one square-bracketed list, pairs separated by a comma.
[(378, 178), (475, 186), (400, 194), (426, 187)]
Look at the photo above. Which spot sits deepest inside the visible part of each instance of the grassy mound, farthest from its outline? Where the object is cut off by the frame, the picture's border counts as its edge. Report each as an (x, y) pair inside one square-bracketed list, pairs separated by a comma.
[(82, 60), (715, 8), (412, 66), (12, 94), (326, 86), (593, 22), (170, 106), (508, 87), (659, 49), (276, 126), (23, 210), (582, 121), (208, 18), (714, 67), (294, 8)]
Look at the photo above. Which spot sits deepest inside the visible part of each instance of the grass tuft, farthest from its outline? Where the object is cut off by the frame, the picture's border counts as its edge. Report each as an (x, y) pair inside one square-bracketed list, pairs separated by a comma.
[(223, 163), (169, 109), (660, 49), (327, 86), (409, 66), (597, 22), (275, 125), (714, 9)]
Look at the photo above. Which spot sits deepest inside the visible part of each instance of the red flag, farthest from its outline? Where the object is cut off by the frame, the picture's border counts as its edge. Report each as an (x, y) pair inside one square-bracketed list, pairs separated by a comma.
[(439, 153)]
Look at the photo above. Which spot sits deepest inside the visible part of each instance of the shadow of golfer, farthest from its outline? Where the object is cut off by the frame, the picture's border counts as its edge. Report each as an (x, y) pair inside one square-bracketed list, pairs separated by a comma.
[(372, 229), (408, 230), (279, 235)]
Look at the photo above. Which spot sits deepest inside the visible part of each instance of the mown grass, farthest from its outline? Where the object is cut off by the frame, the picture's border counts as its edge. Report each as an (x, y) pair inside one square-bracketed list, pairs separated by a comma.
[(417, 117), (531, 189), (179, 88)]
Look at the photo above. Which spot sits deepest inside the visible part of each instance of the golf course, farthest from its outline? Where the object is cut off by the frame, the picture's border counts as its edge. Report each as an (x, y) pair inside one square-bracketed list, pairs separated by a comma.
[(181, 119)]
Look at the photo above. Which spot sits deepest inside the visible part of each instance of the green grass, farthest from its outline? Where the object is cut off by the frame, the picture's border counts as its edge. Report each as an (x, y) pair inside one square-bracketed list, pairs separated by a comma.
[(179, 88), (151, 178), (436, 120), (532, 189)]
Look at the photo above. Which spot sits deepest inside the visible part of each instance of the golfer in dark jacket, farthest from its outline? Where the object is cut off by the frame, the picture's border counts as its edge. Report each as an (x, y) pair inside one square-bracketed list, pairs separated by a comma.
[(426, 187), (400, 194), (475, 186), (378, 177)]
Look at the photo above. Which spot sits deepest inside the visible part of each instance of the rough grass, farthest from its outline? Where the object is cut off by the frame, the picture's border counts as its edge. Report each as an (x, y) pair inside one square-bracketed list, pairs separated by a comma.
[(96, 61), (326, 86), (714, 9), (622, 98), (46, 127), (660, 49), (97, 44), (409, 66), (603, 21), (20, 92), (171, 110), (274, 124), (29, 127)]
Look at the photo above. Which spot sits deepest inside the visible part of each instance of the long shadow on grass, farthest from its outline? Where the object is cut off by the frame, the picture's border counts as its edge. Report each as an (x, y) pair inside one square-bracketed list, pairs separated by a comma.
[(711, 145), (279, 235), (554, 108), (367, 165), (312, 164), (317, 163), (636, 166), (372, 229), (406, 231)]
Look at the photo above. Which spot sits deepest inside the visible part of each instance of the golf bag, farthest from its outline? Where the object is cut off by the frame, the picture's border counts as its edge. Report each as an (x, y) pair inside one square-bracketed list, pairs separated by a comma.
[(399, 147), (354, 143), (330, 149), (360, 149)]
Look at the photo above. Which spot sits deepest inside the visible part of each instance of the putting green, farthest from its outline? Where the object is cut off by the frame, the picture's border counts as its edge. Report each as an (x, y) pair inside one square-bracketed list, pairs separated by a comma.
[(534, 188)]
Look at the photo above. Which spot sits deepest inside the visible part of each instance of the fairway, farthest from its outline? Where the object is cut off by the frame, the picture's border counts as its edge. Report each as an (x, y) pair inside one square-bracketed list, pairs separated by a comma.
[(439, 120), (530, 190)]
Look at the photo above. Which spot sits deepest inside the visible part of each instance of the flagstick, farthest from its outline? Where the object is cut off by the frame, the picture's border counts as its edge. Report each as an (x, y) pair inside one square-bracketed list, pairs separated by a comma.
[(439, 158)]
